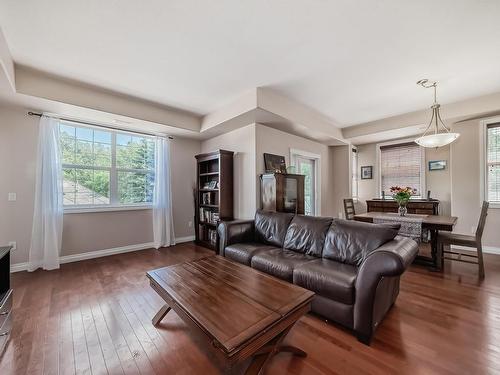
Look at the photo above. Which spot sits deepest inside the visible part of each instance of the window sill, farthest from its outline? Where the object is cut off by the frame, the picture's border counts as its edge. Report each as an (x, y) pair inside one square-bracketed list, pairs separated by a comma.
[(81, 210), (494, 205)]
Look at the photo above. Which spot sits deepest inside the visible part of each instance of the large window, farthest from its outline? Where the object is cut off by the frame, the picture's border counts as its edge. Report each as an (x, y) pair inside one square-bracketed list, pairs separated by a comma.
[(401, 165), (104, 167), (493, 163)]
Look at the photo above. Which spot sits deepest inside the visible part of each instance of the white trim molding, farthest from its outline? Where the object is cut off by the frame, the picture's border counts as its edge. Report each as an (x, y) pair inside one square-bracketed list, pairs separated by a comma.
[(351, 175), (87, 209), (483, 155), (184, 239), (17, 267)]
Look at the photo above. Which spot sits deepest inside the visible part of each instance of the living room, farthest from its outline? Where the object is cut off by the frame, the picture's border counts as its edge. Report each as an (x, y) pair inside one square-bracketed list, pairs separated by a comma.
[(253, 187)]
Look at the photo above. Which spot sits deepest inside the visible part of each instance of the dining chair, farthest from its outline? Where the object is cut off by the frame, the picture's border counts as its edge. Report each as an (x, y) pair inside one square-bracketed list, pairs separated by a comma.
[(448, 239), (349, 209)]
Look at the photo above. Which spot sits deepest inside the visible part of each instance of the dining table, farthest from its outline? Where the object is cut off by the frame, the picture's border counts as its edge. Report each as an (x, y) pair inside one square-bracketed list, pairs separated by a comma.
[(433, 223)]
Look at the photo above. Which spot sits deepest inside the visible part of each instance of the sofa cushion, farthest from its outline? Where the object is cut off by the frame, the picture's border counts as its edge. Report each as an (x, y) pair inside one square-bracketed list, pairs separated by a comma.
[(270, 227), (350, 242), (328, 278), (279, 263), (243, 252), (306, 234)]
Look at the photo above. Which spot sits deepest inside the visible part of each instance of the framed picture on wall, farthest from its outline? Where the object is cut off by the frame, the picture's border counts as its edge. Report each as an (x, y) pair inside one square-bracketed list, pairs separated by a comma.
[(367, 172), (437, 165), (274, 163)]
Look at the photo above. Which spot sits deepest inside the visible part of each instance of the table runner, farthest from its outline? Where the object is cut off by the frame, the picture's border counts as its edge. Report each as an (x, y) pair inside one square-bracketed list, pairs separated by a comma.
[(411, 226)]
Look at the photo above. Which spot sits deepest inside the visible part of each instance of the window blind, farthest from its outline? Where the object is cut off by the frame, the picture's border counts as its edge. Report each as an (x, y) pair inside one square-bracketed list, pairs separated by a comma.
[(400, 165), (493, 167)]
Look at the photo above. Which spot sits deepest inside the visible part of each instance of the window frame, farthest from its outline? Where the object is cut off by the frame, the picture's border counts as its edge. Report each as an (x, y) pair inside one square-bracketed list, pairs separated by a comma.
[(354, 176), (294, 153), (114, 204), (378, 167), (483, 157)]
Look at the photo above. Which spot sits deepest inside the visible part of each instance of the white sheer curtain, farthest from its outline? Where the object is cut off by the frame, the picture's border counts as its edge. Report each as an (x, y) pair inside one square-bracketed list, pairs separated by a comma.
[(163, 224), (46, 234)]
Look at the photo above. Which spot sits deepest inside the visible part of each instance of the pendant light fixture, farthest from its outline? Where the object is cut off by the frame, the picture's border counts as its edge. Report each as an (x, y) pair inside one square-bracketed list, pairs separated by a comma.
[(436, 134)]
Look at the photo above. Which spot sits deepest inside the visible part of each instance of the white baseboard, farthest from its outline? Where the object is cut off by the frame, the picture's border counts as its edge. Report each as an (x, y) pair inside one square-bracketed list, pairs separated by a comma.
[(17, 267), (184, 239), (105, 252), (486, 249)]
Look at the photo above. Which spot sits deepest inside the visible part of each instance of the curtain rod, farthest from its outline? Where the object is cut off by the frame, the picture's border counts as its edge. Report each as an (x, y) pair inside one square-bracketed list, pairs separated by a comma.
[(99, 125)]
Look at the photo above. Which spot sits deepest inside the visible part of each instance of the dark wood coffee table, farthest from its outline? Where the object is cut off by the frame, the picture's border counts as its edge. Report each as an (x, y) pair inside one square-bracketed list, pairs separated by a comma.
[(240, 312)]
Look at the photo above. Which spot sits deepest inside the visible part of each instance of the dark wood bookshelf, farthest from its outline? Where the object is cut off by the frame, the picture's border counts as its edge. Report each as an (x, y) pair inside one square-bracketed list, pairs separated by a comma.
[(6, 304), (213, 203)]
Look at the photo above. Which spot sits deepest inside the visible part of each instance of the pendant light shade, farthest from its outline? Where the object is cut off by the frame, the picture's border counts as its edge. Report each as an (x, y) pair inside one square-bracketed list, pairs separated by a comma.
[(436, 134), (437, 140)]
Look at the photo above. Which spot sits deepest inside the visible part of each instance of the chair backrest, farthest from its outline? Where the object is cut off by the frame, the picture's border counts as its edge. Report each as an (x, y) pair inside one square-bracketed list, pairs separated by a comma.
[(482, 221), (349, 209)]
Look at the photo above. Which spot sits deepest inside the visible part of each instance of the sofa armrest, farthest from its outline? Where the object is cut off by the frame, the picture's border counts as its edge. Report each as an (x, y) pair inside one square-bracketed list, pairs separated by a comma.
[(235, 231), (389, 260)]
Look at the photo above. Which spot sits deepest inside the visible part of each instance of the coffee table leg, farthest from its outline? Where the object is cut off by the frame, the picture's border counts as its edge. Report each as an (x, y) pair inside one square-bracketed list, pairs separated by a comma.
[(160, 314), (263, 355), (292, 349)]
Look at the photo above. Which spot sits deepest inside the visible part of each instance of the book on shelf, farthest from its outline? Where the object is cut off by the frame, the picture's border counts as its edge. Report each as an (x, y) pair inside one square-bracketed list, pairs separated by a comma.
[(208, 216), (206, 198), (214, 184), (212, 236)]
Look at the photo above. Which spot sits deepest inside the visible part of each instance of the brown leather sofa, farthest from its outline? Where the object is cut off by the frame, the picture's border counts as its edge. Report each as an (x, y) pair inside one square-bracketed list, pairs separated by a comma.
[(353, 267)]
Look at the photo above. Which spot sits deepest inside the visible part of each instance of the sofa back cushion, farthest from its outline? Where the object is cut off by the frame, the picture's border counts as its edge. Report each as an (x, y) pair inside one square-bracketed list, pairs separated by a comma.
[(349, 241), (306, 234), (270, 227)]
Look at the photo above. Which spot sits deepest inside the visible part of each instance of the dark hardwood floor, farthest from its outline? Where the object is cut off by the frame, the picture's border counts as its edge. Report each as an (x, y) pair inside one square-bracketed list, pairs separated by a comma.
[(94, 317)]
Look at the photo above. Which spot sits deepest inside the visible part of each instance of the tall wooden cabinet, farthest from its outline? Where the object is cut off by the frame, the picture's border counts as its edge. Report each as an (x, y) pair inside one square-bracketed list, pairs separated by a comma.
[(214, 194), (282, 192)]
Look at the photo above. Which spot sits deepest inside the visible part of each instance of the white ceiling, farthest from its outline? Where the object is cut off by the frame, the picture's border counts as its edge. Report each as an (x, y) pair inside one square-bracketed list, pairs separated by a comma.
[(354, 61)]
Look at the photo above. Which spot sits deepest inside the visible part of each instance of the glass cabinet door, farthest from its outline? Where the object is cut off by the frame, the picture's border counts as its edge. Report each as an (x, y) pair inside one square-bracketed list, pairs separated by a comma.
[(290, 198)]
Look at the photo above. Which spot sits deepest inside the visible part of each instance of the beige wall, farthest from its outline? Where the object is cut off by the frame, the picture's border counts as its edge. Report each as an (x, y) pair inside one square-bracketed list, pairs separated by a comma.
[(18, 142), (438, 182), (340, 179), (269, 140), (52, 87), (85, 231), (458, 187), (242, 142), (183, 184), (249, 144), (367, 189), (466, 187)]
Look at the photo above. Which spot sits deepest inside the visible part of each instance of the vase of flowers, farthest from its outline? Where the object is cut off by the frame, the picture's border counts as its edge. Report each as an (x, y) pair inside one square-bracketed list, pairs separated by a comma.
[(402, 195)]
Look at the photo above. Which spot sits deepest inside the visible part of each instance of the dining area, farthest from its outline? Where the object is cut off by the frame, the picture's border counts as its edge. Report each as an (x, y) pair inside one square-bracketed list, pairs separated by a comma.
[(420, 219)]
